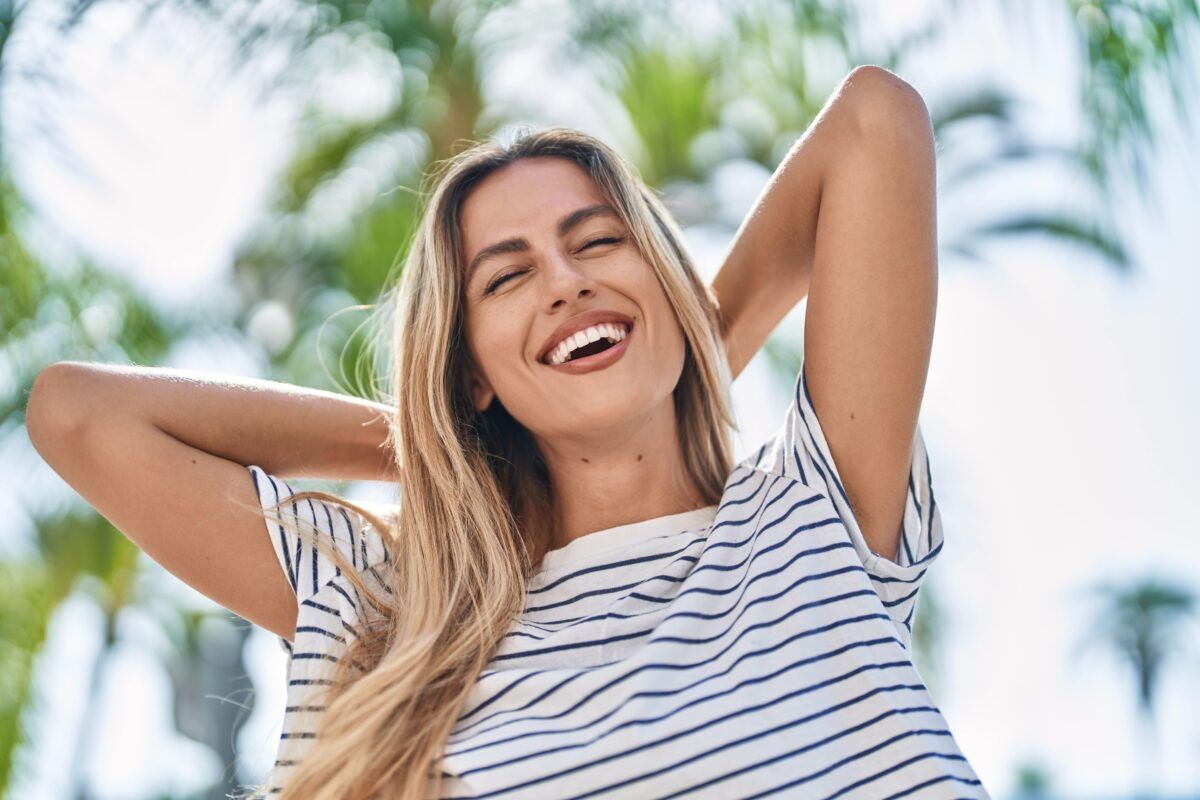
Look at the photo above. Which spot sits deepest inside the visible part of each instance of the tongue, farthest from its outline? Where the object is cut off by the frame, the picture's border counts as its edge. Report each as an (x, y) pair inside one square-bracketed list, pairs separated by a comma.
[(590, 349)]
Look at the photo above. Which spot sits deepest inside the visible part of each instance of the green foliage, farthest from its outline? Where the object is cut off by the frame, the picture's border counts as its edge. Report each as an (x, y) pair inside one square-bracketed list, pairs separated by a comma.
[(931, 630), (1033, 780), (347, 205), (1130, 46), (29, 593), (667, 97), (50, 313)]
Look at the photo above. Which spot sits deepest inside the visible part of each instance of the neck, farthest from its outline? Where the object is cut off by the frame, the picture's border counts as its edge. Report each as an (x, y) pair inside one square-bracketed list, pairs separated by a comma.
[(635, 475)]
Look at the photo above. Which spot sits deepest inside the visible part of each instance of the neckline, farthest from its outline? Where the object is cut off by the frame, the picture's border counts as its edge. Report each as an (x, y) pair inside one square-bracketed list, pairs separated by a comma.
[(609, 538)]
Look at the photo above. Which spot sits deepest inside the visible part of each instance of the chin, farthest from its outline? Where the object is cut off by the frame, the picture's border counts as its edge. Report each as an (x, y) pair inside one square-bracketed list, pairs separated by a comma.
[(603, 414)]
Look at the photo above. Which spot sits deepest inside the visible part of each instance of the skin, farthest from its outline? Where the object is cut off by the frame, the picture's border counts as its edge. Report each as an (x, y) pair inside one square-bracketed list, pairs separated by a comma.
[(608, 436), (848, 220)]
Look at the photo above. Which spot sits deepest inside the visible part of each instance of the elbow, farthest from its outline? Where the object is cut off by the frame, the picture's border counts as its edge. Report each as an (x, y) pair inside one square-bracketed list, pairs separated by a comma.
[(53, 410), (884, 104)]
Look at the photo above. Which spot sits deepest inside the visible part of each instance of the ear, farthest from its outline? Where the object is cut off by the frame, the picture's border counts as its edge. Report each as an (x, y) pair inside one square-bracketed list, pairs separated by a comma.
[(481, 390)]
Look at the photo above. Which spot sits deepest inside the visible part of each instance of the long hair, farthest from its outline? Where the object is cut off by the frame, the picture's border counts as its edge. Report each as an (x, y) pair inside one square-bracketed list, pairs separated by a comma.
[(476, 513)]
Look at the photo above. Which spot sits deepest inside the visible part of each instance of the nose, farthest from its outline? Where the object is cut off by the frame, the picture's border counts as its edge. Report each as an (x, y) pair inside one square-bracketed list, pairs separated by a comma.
[(565, 283)]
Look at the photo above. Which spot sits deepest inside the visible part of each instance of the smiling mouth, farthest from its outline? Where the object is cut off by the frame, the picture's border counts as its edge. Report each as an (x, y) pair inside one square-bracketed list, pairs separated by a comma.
[(589, 349)]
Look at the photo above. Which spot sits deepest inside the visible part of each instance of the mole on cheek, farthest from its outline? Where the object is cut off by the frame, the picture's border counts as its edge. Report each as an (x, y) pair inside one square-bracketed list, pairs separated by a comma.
[(586, 461), (639, 456)]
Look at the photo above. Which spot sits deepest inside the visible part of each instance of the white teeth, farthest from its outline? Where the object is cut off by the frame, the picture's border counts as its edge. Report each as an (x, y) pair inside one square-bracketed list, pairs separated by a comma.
[(611, 331)]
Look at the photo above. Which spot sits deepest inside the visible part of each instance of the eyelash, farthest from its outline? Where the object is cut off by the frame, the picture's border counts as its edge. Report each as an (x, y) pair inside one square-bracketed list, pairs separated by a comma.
[(602, 240)]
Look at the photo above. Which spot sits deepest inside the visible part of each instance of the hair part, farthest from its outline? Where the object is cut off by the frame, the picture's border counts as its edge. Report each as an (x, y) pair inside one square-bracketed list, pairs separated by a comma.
[(477, 507)]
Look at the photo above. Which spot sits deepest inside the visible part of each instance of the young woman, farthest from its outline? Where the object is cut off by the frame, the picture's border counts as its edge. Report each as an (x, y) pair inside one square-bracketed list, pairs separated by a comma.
[(579, 593)]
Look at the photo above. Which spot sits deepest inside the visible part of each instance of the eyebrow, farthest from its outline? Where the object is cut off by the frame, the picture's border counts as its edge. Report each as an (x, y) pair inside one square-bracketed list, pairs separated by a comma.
[(518, 244)]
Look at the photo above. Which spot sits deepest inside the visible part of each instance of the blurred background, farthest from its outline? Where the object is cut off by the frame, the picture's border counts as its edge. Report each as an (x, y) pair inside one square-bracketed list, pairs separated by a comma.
[(223, 186)]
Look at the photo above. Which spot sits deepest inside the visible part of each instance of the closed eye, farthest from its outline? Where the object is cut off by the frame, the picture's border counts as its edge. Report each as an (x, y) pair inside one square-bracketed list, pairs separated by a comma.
[(604, 240), (491, 287)]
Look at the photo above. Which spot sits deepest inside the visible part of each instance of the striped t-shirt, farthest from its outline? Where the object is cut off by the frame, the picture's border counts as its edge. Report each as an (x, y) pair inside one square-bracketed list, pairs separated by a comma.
[(755, 648)]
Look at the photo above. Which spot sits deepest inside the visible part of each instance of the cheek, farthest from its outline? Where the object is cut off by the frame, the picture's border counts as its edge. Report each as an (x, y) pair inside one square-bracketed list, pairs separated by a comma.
[(498, 347)]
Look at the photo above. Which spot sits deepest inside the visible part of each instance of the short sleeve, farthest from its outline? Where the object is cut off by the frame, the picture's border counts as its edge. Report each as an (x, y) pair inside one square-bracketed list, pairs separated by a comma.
[(306, 568), (800, 451)]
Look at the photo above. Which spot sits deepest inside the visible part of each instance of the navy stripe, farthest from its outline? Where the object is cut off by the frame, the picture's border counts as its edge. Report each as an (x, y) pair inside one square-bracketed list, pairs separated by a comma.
[(329, 527), (761, 508), (732, 484), (931, 782), (732, 669), (756, 657), (698, 644), (912, 493), (766, 498), (553, 585), (298, 549), (902, 764), (744, 585), (706, 568), (744, 561), (321, 656), (802, 397), (318, 629), (283, 542), (350, 536), (719, 751), (932, 507), (313, 555)]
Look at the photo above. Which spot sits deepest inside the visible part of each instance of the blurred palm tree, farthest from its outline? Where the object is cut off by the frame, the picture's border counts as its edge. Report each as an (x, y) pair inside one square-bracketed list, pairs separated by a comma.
[(1033, 781), (1140, 623), (53, 309), (684, 103), (29, 593)]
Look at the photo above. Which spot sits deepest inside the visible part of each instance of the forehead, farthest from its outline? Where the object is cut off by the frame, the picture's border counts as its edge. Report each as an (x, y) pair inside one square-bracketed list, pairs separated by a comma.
[(525, 198)]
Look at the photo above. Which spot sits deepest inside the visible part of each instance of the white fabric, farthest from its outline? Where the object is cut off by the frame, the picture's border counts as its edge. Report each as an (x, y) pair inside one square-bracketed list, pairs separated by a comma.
[(756, 648)]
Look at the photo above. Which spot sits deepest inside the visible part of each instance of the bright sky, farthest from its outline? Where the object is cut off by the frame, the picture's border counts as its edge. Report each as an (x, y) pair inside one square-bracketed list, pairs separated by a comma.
[(1056, 412)]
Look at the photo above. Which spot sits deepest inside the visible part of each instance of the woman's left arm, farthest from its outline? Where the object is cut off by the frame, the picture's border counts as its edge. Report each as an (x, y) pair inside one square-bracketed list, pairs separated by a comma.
[(849, 220)]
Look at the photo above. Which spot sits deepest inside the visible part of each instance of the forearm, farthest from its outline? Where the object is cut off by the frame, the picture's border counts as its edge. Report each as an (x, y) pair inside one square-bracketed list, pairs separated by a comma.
[(780, 231), (769, 267), (769, 264), (291, 431)]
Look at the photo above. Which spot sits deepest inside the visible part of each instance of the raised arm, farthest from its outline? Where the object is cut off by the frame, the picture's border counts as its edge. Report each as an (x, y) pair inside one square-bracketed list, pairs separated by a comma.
[(769, 264), (291, 431), (849, 220), (162, 455)]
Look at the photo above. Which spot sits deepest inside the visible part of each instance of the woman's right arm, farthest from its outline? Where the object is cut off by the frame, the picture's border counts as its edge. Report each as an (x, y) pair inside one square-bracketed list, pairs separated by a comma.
[(158, 452)]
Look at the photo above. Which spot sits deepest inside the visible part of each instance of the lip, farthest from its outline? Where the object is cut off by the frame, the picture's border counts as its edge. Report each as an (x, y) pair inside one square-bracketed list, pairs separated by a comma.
[(581, 322), (597, 361)]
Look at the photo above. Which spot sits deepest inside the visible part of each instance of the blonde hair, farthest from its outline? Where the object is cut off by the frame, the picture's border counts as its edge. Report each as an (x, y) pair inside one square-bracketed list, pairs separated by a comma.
[(476, 511)]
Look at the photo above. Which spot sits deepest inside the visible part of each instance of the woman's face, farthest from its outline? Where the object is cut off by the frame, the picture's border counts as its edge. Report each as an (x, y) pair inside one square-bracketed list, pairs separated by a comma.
[(516, 301)]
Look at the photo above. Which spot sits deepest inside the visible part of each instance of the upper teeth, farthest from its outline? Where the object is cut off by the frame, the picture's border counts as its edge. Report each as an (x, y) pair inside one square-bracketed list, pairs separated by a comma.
[(611, 331)]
